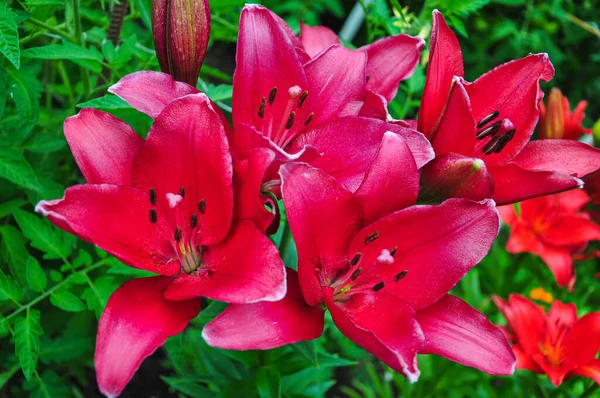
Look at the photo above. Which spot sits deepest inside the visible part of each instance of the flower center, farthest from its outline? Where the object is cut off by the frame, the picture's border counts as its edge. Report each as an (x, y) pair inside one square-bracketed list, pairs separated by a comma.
[(551, 345), (499, 132)]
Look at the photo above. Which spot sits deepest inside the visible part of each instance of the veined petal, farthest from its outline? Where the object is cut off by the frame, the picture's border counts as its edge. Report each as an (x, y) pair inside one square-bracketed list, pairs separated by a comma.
[(150, 92), (433, 246), (560, 262), (243, 268), (323, 218), (392, 180), (265, 325), (317, 38), (103, 146), (445, 62), (590, 370), (136, 321), (115, 219), (390, 61), (300, 50), (525, 319), (454, 330), (187, 148)]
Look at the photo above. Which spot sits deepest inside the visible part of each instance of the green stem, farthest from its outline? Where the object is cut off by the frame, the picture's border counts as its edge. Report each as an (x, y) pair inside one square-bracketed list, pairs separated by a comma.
[(584, 25), (225, 23), (62, 71), (52, 29), (85, 77), (284, 245)]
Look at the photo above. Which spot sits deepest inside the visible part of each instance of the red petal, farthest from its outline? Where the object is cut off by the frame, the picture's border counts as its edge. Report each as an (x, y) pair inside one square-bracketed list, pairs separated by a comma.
[(571, 231), (375, 106), (524, 239), (103, 146), (591, 370), (526, 320), (187, 147), (561, 314), (383, 325), (572, 201), (317, 38), (150, 92), (514, 183), (244, 268), (391, 60), (265, 59), (508, 215), (136, 321), (445, 62), (513, 89), (392, 180), (323, 218), (435, 245), (453, 329), (116, 219), (561, 264), (524, 361), (302, 55), (583, 341), (265, 325), (561, 156)]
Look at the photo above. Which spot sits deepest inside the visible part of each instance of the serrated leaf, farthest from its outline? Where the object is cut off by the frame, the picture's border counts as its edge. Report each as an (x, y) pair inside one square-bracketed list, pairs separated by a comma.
[(66, 301), (67, 51), (268, 383), (27, 341), (9, 289), (25, 92), (308, 349), (50, 386), (16, 169), (36, 278), (45, 143), (6, 208), (9, 36), (55, 243), (97, 296), (107, 102), (14, 252)]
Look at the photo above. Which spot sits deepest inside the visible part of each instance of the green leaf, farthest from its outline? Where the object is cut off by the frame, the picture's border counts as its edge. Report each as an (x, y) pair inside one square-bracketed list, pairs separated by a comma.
[(9, 289), (308, 349), (96, 296), (15, 168), (5, 376), (107, 102), (25, 92), (45, 2), (188, 386), (219, 93), (55, 243), (3, 90), (51, 386), (143, 7), (6, 208), (9, 36), (45, 143), (27, 341), (14, 252), (67, 51), (268, 383), (64, 349), (36, 278), (66, 301)]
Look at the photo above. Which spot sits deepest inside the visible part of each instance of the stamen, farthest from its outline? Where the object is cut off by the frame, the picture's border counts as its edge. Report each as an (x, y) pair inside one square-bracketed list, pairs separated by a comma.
[(393, 251), (177, 235), (367, 78), (494, 144), (202, 206), (272, 95), (290, 121), (310, 118), (488, 119), (490, 130), (153, 216), (400, 276), (182, 192), (302, 99), (261, 108), (378, 286), (355, 259), (152, 194), (355, 274), (371, 238), (194, 221)]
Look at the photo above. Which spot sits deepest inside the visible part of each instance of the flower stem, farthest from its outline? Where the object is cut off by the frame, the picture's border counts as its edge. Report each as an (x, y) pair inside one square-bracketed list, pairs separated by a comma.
[(584, 25), (51, 29)]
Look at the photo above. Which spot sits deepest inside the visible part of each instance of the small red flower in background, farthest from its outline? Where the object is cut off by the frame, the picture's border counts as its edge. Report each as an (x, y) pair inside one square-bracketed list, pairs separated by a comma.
[(556, 343), (553, 227), (556, 119)]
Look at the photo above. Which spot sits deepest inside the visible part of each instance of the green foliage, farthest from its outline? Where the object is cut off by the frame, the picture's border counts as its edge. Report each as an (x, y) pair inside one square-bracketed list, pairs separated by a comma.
[(9, 37), (27, 341)]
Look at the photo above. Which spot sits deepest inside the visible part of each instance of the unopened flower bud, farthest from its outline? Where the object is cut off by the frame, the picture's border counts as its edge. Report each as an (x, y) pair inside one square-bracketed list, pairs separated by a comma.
[(556, 119)]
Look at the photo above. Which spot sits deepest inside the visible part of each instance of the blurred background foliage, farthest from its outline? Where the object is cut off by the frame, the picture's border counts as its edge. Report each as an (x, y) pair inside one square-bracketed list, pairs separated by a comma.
[(59, 56)]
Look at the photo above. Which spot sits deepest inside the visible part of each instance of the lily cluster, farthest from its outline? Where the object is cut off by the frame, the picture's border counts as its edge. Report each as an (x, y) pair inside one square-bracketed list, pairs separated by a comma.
[(195, 201)]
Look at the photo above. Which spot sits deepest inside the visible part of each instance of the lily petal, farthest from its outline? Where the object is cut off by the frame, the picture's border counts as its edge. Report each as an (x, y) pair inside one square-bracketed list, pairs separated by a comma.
[(591, 370), (136, 321), (103, 146), (523, 239), (454, 330), (571, 231), (525, 319), (560, 262), (524, 361), (244, 268), (300, 50), (583, 341), (265, 325), (317, 38)]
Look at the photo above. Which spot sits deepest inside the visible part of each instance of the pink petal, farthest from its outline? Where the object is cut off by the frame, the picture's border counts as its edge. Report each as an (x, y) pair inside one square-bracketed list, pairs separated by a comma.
[(512, 89), (187, 148), (265, 325), (300, 51), (323, 217), (445, 62), (115, 219), (150, 92), (391, 60), (560, 262), (244, 268), (375, 106), (136, 321), (103, 146), (392, 180), (435, 245), (317, 38), (383, 325), (453, 329)]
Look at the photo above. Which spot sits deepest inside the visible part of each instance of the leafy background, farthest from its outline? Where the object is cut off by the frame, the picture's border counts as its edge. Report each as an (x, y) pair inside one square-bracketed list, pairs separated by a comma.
[(58, 57)]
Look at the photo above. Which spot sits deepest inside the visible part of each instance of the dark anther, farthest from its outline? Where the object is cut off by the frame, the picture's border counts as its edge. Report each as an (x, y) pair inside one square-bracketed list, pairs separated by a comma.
[(152, 194), (367, 79), (302, 99), (153, 216), (490, 130), (393, 251), (182, 192), (272, 95), (177, 235), (290, 121), (310, 118), (494, 144), (371, 238), (378, 286), (202, 206), (488, 119), (355, 259), (355, 274), (194, 220), (261, 108), (400, 276)]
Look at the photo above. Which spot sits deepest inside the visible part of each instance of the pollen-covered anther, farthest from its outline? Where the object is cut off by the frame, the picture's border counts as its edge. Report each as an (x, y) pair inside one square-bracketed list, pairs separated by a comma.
[(309, 118), (399, 276), (355, 259), (290, 121), (272, 95), (393, 251), (378, 286), (194, 221), (371, 238), (152, 195), (177, 235), (490, 130), (488, 119), (202, 206), (502, 136), (261, 108), (302, 99), (182, 192), (385, 257)]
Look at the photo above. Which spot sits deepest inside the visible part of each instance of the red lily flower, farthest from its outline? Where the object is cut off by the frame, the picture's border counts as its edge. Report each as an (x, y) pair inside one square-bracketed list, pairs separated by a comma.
[(164, 205), (558, 343), (553, 227), (557, 121), (381, 266), (490, 122)]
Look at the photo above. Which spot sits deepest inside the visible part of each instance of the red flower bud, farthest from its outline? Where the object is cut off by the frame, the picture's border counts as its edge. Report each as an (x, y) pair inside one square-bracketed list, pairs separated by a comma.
[(181, 29), (556, 119)]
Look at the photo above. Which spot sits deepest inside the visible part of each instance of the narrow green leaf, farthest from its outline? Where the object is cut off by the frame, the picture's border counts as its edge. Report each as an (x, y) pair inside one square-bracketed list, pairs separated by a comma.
[(45, 2), (9, 289), (143, 7), (219, 93), (308, 349), (9, 36), (67, 51), (15, 168), (66, 301), (14, 252), (25, 92), (188, 386), (6, 208), (3, 90), (27, 341), (5, 376), (36, 278), (268, 383), (45, 143), (53, 242), (107, 102)]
